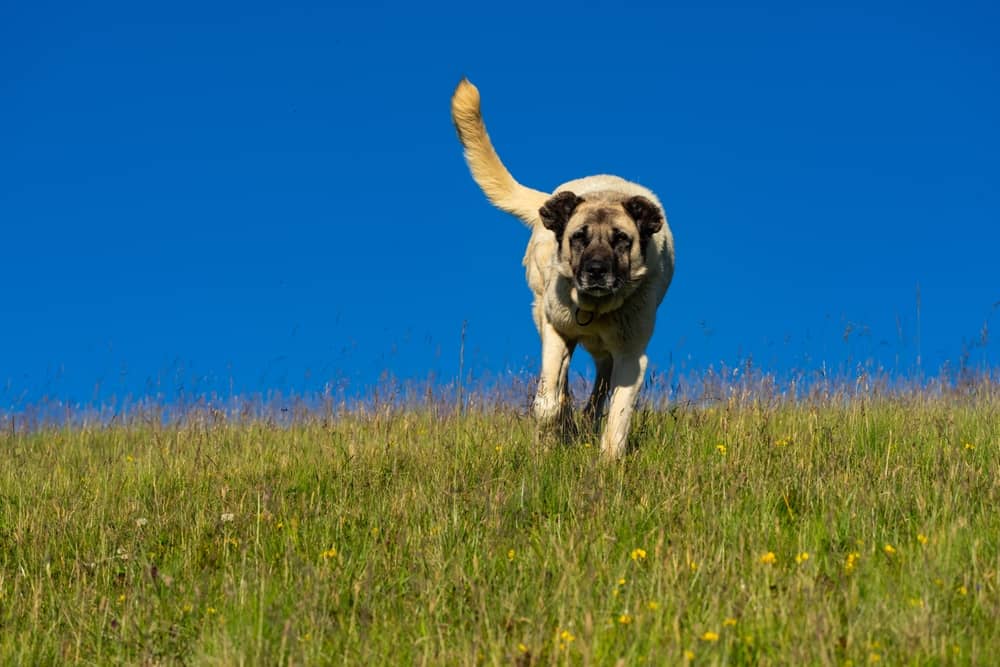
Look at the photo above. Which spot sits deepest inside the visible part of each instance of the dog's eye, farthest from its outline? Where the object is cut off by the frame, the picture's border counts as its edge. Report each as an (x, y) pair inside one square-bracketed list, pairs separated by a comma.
[(579, 236), (621, 239)]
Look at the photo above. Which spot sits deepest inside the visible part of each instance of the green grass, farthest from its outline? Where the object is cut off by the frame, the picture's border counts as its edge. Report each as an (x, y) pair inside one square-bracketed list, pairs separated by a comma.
[(413, 538)]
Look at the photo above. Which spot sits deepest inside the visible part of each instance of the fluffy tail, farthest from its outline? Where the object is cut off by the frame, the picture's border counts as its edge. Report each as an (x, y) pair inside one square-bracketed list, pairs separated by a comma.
[(499, 186)]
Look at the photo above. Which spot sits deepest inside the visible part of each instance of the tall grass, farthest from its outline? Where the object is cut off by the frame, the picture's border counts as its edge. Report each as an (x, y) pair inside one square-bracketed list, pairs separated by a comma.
[(752, 528)]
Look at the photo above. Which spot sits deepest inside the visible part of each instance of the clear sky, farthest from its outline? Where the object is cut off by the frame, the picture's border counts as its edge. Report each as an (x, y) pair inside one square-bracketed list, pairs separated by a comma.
[(215, 196)]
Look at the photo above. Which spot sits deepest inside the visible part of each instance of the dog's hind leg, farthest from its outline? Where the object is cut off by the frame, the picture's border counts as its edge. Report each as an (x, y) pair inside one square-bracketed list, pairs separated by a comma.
[(599, 394)]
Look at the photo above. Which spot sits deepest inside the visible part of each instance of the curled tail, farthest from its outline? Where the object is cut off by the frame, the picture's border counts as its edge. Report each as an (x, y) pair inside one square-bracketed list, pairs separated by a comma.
[(496, 182)]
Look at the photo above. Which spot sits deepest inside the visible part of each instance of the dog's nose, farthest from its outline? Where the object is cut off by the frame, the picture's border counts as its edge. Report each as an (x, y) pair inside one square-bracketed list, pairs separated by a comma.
[(596, 268)]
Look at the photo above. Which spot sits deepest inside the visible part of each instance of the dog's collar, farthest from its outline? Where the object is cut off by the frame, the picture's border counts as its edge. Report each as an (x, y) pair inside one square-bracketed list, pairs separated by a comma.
[(576, 316)]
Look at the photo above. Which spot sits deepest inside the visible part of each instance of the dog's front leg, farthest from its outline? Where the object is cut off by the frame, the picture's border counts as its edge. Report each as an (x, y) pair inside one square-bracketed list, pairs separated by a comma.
[(626, 380), (552, 400)]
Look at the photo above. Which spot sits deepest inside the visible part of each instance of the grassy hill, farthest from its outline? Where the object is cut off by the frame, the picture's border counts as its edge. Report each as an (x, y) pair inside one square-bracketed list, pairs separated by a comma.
[(754, 531)]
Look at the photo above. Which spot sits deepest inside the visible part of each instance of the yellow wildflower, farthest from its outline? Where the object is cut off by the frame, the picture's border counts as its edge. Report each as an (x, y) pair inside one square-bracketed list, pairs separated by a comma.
[(689, 654), (889, 549), (638, 554), (874, 657), (522, 648), (962, 590), (621, 582), (921, 538), (653, 605), (729, 622), (511, 555), (624, 619), (852, 561), (969, 446), (722, 449), (566, 636), (693, 565), (769, 558), (802, 557), (710, 636), (329, 553)]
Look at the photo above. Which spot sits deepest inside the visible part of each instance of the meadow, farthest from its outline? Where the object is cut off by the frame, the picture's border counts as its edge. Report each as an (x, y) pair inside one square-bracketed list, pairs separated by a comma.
[(838, 528)]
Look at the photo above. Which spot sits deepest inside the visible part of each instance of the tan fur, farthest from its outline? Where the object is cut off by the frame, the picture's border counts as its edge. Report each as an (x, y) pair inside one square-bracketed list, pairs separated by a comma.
[(616, 327), (500, 187)]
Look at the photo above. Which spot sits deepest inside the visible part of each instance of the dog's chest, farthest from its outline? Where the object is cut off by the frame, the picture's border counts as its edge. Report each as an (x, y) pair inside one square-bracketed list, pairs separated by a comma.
[(593, 335)]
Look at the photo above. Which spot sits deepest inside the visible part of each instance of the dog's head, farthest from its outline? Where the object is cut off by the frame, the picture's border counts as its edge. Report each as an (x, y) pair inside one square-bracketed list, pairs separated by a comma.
[(602, 243)]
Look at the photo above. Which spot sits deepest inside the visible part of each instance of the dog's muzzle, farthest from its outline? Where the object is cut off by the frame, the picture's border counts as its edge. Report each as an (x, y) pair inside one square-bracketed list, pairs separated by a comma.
[(596, 277)]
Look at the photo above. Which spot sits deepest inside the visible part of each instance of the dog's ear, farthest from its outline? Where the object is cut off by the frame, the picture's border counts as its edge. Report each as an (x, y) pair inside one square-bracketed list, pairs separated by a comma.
[(557, 211), (646, 214)]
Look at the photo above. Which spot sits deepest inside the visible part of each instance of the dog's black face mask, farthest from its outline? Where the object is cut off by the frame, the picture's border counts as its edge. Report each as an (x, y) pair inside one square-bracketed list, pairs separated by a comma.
[(600, 255)]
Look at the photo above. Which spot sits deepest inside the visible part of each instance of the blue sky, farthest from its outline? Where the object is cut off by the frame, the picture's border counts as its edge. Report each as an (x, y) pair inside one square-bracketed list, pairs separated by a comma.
[(263, 197)]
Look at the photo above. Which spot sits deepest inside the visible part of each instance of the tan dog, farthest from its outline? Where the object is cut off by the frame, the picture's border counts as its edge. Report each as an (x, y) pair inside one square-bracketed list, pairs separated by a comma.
[(599, 261)]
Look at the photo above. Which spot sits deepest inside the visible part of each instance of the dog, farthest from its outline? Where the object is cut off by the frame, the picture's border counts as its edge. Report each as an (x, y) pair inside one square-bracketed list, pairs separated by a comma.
[(599, 261)]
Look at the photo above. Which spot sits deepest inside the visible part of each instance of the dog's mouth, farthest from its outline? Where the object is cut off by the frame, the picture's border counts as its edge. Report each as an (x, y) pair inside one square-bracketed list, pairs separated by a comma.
[(601, 287), (596, 290)]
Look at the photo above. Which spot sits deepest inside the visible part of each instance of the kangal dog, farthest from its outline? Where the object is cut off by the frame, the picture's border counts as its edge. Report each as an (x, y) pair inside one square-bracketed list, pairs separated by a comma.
[(599, 260)]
